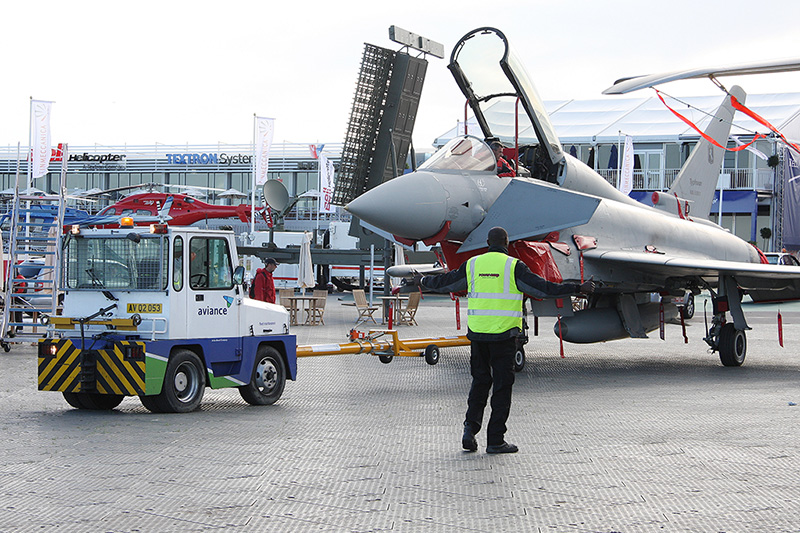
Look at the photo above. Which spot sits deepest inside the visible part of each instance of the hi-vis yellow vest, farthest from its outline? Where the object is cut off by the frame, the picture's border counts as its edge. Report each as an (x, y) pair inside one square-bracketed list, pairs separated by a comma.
[(495, 302)]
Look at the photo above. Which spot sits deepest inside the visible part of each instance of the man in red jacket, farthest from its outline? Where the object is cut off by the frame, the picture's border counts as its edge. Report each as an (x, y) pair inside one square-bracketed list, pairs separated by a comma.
[(263, 284)]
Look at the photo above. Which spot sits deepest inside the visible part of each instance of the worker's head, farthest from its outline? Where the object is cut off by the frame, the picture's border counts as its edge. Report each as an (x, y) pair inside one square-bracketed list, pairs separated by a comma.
[(270, 264), (497, 237), (497, 148)]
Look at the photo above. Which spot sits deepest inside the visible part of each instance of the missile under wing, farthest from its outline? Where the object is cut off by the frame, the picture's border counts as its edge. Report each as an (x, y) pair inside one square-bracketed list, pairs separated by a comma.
[(568, 217)]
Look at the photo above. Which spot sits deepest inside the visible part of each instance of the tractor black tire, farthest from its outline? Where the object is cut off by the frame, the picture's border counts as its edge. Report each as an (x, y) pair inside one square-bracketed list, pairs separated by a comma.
[(184, 384), (93, 401), (268, 378), (732, 345), (151, 403), (431, 354)]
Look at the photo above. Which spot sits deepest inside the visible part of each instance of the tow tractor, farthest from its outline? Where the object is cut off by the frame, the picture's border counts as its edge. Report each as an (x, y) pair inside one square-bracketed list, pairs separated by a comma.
[(160, 313)]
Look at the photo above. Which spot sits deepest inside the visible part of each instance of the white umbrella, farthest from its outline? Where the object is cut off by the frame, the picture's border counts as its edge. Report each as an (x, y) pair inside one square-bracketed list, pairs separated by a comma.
[(306, 275), (399, 259), (196, 193), (232, 193)]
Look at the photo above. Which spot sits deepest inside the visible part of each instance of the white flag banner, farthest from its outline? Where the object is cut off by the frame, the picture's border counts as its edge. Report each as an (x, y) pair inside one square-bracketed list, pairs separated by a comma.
[(40, 134), (626, 176), (326, 185), (264, 130)]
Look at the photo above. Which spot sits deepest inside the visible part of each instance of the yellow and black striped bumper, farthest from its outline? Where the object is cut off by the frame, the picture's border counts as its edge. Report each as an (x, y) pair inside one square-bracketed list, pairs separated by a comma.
[(118, 368)]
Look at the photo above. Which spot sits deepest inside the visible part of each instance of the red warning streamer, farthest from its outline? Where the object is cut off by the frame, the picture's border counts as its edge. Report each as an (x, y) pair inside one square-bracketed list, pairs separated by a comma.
[(712, 141), (780, 329), (458, 310), (761, 120)]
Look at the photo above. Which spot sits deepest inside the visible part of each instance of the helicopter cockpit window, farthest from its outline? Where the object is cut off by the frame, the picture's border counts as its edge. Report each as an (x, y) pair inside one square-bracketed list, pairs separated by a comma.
[(462, 153)]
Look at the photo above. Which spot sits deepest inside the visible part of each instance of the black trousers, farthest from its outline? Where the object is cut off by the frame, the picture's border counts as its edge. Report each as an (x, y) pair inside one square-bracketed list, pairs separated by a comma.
[(492, 367)]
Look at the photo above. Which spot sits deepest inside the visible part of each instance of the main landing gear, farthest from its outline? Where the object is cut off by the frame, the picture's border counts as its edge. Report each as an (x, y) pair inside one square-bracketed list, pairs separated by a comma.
[(729, 339)]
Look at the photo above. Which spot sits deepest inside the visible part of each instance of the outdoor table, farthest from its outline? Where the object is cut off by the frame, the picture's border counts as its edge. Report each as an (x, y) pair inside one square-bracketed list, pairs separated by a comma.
[(298, 305), (397, 304)]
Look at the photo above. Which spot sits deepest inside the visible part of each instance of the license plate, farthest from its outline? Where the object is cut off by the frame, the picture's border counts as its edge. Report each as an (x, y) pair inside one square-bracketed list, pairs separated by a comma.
[(144, 308)]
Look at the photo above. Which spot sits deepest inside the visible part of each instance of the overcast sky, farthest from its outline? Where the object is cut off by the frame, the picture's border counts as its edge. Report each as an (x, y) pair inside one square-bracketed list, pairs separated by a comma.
[(195, 72)]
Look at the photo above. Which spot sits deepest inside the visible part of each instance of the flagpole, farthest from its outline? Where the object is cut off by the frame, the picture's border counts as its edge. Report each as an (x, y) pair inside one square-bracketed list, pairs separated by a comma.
[(253, 191)]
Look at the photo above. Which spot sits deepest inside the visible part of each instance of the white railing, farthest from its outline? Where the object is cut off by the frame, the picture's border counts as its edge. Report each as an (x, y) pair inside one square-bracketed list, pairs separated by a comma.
[(654, 180)]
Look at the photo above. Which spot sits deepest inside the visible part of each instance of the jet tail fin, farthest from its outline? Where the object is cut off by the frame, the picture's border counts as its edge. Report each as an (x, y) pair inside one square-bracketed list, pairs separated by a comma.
[(697, 179)]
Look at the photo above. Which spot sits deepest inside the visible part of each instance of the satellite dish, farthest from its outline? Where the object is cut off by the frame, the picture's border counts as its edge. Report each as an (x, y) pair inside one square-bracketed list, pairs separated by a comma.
[(276, 195)]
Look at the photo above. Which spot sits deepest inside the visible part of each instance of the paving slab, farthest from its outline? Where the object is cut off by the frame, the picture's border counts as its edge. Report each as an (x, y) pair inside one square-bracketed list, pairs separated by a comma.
[(624, 436)]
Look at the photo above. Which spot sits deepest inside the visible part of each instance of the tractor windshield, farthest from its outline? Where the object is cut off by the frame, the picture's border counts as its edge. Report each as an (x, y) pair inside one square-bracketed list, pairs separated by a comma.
[(116, 263)]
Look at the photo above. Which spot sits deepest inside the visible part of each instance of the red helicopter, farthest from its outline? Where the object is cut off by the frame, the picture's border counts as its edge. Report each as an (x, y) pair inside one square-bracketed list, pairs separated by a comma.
[(185, 209), (176, 209)]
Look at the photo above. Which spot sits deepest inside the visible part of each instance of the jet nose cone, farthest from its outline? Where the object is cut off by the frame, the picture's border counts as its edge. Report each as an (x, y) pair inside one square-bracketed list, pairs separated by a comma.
[(412, 206)]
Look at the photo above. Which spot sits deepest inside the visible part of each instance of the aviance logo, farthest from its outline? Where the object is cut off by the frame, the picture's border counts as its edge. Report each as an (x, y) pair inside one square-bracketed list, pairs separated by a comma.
[(212, 311)]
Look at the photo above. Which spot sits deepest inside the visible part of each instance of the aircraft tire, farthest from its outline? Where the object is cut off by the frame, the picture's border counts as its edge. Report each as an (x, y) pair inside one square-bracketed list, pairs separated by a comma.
[(688, 308), (431, 354), (519, 359), (269, 378), (732, 345)]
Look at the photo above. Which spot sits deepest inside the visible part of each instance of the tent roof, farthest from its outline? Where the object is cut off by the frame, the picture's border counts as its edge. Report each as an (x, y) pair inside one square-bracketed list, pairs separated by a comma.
[(645, 119)]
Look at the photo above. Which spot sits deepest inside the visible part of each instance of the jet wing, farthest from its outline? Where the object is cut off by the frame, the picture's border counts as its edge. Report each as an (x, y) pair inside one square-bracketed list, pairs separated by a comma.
[(527, 208), (748, 275), (627, 85)]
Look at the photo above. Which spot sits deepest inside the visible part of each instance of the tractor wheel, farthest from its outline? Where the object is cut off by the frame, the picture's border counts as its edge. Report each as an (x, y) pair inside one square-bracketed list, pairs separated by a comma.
[(385, 359), (184, 384), (93, 401), (268, 380)]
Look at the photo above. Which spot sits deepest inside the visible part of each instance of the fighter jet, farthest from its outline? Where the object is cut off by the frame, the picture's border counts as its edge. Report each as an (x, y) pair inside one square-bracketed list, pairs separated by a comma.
[(568, 223)]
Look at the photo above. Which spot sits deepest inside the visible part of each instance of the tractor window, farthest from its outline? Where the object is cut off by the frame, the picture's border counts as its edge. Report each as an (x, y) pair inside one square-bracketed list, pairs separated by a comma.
[(116, 263), (177, 263), (210, 264)]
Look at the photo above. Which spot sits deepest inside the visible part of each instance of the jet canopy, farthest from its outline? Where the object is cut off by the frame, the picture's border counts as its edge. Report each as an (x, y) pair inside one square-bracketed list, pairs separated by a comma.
[(462, 153), (487, 70)]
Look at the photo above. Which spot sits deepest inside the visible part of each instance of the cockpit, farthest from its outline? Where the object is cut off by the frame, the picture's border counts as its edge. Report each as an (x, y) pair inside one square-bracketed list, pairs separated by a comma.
[(496, 84)]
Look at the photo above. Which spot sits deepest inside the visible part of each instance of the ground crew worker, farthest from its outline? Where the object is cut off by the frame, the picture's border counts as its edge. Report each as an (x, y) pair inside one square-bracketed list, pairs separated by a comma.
[(495, 284), (263, 284)]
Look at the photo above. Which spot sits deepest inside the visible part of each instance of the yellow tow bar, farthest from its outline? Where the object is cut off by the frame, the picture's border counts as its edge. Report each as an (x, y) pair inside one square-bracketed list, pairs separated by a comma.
[(386, 344)]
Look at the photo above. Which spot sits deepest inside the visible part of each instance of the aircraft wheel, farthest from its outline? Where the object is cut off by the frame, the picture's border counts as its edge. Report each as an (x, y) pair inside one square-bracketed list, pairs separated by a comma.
[(269, 378), (184, 384), (385, 359), (688, 308), (732, 345), (519, 359), (431, 354)]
